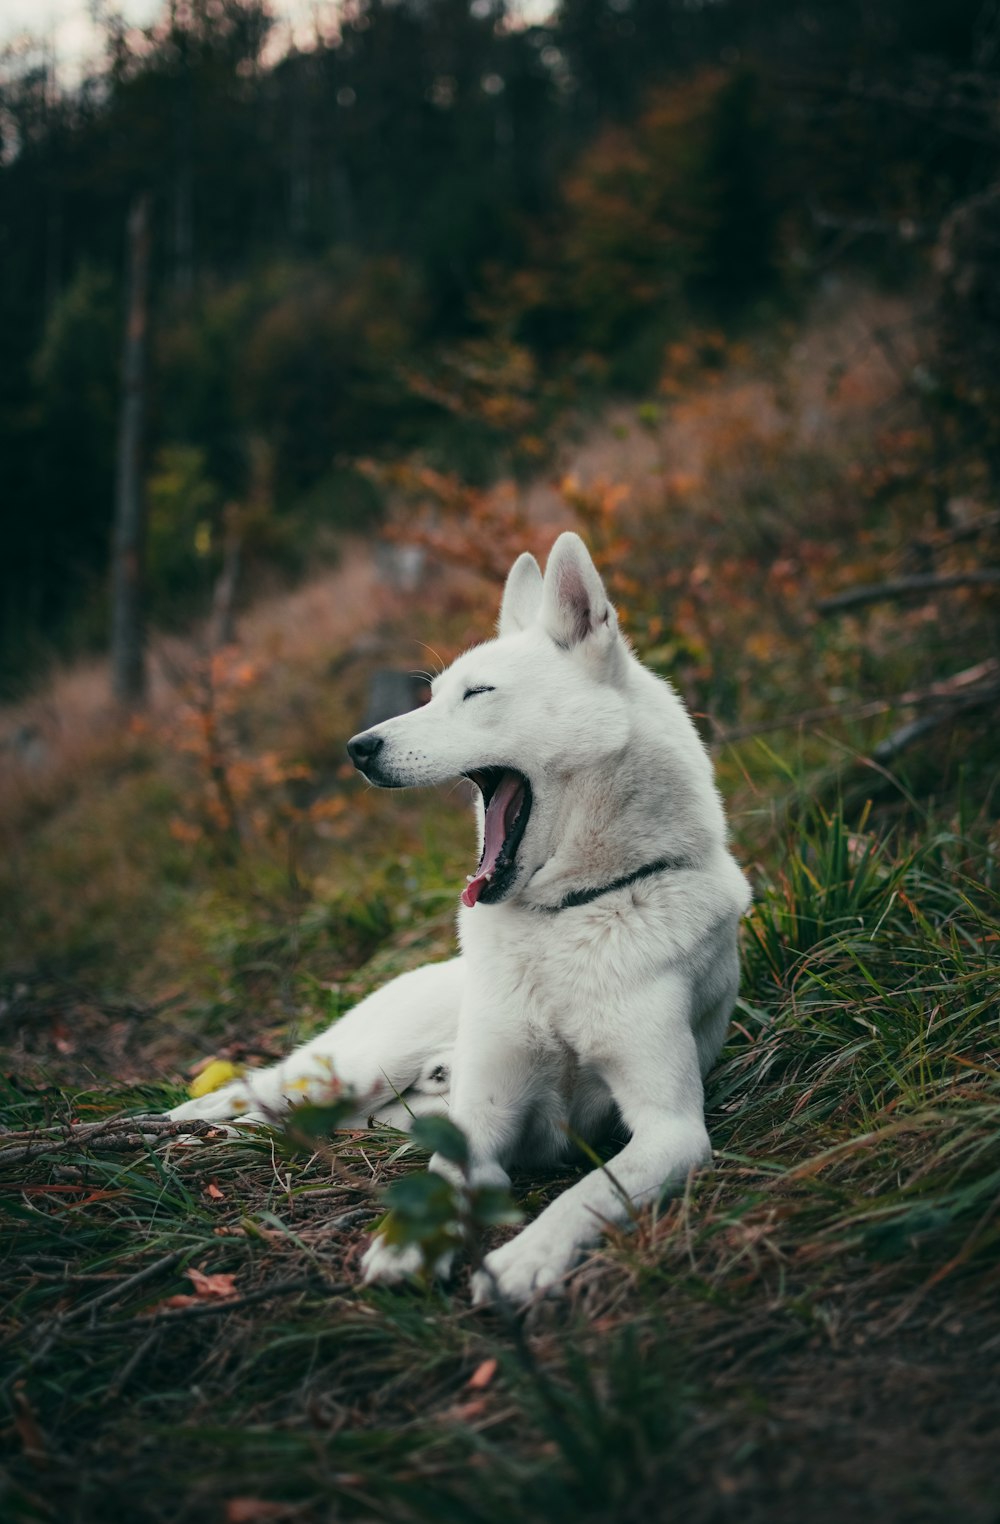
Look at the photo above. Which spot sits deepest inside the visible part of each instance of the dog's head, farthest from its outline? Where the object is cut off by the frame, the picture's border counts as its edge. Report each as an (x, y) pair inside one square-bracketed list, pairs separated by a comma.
[(521, 716)]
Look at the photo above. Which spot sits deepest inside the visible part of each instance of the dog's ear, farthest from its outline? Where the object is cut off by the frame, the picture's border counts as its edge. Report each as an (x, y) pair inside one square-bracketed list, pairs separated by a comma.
[(522, 596), (575, 606)]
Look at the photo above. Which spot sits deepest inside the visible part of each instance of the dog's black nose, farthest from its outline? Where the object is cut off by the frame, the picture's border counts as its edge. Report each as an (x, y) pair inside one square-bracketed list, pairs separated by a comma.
[(363, 749)]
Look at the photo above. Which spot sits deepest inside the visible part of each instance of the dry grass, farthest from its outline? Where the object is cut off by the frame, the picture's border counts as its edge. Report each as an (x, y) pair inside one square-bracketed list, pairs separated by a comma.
[(812, 1330), (732, 1353)]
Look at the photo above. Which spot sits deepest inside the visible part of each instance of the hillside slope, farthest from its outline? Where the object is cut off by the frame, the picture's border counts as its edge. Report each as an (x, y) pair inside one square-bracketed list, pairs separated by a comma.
[(810, 1330)]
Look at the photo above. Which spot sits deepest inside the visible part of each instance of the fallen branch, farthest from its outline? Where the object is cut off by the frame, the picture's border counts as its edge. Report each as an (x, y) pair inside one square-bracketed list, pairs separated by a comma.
[(970, 530), (151, 1123), (220, 1305), (959, 690), (960, 685), (905, 736), (118, 1135), (803, 717), (906, 587), (899, 740)]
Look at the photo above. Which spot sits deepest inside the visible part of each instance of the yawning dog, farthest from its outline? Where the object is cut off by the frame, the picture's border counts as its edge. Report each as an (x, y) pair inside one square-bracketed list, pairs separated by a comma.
[(598, 932)]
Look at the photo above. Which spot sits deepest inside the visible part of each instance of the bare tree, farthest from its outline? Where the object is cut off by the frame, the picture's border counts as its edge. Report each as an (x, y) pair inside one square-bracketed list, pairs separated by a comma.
[(128, 655)]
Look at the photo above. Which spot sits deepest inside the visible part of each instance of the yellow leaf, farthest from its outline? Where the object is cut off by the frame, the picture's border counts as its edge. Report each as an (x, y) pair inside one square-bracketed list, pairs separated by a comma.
[(216, 1074)]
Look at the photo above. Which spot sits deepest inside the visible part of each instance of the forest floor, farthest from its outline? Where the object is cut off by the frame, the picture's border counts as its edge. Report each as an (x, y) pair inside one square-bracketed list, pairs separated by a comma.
[(813, 1330)]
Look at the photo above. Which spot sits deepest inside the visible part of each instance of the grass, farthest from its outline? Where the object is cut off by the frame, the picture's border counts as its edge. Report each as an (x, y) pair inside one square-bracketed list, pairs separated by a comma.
[(811, 1330), (854, 1207)]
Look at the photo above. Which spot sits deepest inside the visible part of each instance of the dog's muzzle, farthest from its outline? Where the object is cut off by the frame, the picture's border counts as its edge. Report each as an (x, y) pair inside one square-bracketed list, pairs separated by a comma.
[(363, 750)]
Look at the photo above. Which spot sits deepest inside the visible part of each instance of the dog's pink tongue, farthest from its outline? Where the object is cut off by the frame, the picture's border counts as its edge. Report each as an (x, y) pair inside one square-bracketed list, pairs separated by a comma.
[(505, 797)]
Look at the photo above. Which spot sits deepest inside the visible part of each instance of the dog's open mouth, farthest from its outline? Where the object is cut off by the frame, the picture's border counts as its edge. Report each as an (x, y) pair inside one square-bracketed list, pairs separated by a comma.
[(507, 797)]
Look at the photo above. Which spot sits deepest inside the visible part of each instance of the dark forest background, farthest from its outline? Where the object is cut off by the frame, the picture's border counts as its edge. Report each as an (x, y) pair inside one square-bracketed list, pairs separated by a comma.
[(436, 231), (713, 282)]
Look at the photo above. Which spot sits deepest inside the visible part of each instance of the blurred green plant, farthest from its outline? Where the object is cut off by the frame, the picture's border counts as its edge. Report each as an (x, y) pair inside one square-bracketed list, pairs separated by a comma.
[(438, 1213)]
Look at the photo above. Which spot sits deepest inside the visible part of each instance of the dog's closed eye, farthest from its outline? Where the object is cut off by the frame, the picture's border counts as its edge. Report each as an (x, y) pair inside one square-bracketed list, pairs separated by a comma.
[(474, 692)]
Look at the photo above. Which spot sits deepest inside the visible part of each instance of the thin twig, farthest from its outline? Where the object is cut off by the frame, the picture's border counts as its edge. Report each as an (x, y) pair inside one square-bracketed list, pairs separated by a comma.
[(135, 1358), (151, 1123), (959, 689), (804, 717), (64, 1129), (48, 1337), (216, 1308), (905, 587), (115, 1292), (117, 1136)]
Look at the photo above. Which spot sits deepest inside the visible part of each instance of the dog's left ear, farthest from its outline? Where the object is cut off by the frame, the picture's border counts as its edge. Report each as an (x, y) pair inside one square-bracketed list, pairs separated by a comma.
[(575, 606), (522, 596)]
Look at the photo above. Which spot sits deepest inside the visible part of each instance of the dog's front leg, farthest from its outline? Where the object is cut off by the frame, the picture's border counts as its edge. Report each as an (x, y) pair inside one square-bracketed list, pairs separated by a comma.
[(373, 1053), (653, 1074), (491, 1087)]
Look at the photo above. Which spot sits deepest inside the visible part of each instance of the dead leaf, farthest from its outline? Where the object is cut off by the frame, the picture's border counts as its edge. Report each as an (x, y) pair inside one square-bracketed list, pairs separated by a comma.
[(257, 1511), (27, 1426), (211, 1285), (212, 1191), (467, 1412), (482, 1375)]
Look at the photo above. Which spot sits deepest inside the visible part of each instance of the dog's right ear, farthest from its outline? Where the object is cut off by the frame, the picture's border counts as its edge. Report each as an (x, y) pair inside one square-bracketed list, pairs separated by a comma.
[(522, 596)]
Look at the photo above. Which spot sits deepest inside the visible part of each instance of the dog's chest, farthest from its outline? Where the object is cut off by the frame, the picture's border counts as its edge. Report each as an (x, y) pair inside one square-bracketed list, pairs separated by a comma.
[(566, 979)]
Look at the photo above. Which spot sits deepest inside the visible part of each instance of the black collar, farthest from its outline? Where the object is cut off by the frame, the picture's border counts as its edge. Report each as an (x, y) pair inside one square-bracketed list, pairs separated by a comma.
[(584, 896)]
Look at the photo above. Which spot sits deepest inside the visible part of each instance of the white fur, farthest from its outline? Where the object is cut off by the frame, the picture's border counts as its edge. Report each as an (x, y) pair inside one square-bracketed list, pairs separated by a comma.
[(552, 1022)]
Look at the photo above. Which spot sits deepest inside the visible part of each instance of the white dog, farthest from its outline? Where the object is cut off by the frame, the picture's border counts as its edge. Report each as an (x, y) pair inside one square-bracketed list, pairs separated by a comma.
[(599, 958)]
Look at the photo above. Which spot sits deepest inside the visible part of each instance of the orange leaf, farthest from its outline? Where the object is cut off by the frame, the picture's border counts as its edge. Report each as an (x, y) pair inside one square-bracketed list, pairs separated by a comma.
[(212, 1190), (257, 1511), (482, 1376), (211, 1285), (183, 831)]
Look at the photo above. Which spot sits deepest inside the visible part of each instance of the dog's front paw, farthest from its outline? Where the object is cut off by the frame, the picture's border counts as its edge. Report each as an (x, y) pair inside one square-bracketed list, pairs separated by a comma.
[(229, 1103), (387, 1264), (521, 1269)]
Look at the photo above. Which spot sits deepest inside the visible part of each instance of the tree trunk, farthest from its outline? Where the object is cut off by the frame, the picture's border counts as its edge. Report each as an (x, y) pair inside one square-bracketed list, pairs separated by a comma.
[(184, 188), (224, 595), (128, 654)]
